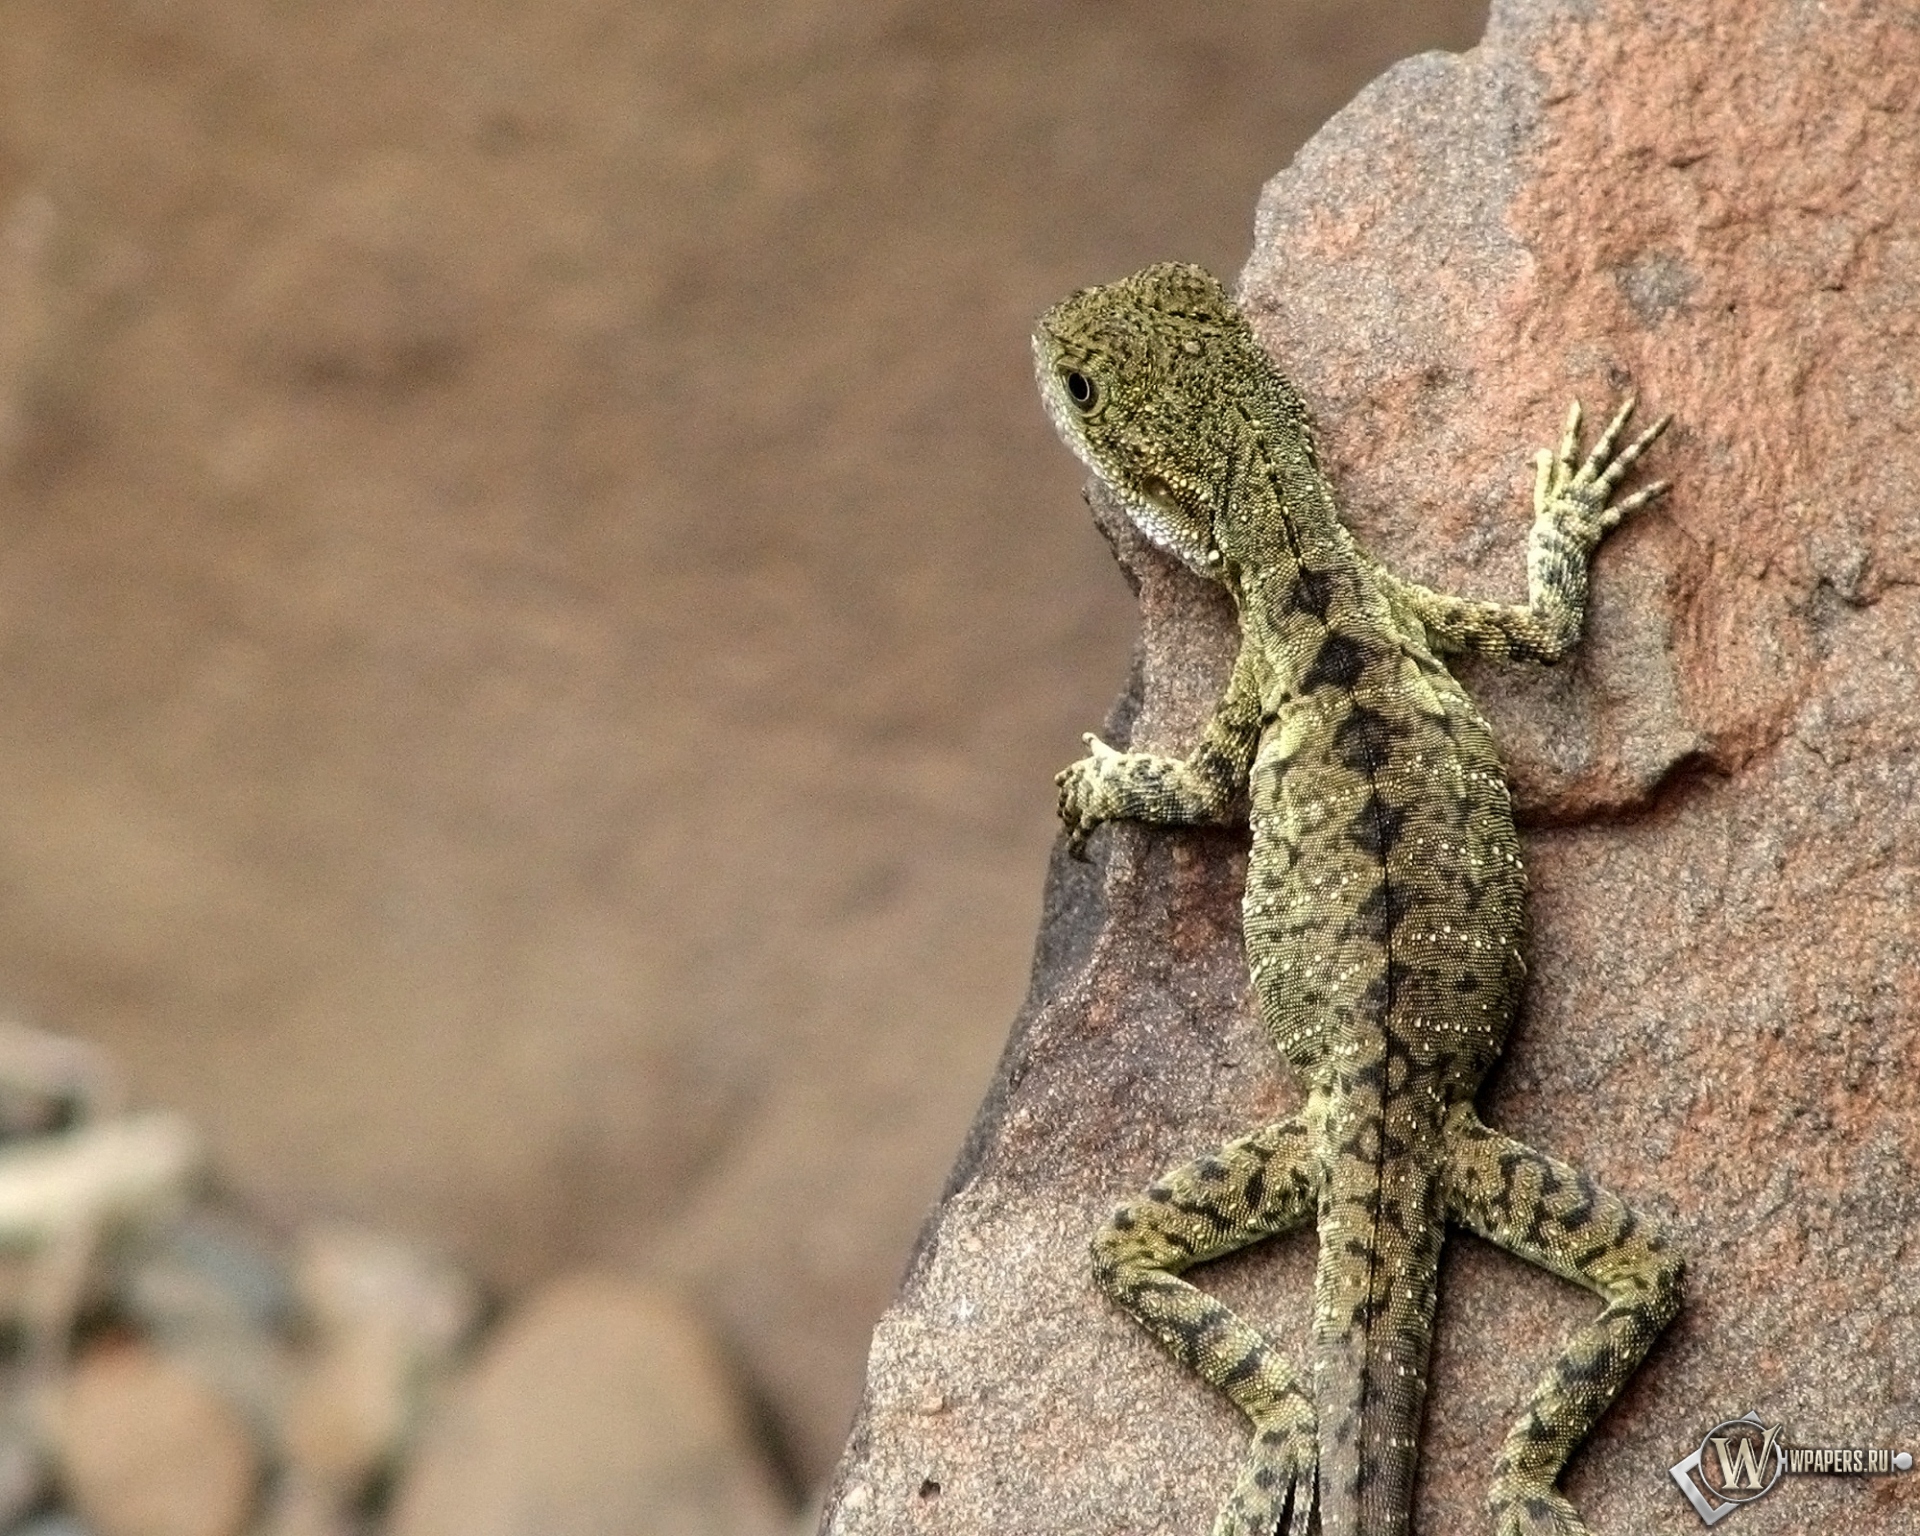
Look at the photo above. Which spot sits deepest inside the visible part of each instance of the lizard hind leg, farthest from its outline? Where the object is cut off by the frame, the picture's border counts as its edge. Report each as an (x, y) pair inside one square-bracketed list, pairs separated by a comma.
[(1255, 1187), (1549, 1214)]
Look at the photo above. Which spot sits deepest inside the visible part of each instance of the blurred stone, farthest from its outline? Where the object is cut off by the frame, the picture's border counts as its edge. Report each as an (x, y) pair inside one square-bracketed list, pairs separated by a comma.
[(299, 1507), (600, 1408), (60, 1524), (1712, 206), (23, 1473), (64, 1194), (353, 1408), (210, 1270), (386, 1319), (128, 1169), (50, 1081), (254, 1373), (145, 1448), (212, 1291), (350, 1280)]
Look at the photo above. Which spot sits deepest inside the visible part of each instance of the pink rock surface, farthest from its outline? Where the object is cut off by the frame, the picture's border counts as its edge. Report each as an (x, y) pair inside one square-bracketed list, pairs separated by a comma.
[(1714, 206)]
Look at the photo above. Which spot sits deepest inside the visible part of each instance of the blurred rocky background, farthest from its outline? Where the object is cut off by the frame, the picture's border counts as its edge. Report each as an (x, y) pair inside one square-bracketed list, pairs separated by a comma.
[(538, 612)]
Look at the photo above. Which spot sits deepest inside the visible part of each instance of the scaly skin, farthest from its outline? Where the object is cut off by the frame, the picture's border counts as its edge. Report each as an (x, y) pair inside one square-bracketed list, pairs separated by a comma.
[(1385, 917)]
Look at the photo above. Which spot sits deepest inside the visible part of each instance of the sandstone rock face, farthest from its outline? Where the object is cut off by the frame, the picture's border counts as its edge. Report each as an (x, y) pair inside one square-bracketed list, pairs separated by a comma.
[(1715, 207)]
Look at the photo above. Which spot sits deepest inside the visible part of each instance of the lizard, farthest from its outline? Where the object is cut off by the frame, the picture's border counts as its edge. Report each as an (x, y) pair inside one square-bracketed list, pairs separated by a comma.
[(1385, 920)]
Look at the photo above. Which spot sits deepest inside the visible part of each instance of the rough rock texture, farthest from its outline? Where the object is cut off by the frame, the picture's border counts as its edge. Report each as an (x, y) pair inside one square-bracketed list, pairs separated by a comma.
[(601, 1409), (1716, 206)]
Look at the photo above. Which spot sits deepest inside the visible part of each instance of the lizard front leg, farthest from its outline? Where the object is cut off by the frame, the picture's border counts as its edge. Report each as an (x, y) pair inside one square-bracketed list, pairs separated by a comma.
[(1572, 512), (1202, 788), (1252, 1188), (1555, 1216)]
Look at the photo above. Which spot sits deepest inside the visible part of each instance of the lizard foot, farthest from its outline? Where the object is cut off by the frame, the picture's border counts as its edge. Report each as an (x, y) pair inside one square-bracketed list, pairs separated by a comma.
[(1086, 795), (1278, 1490), (1532, 1509), (1576, 497)]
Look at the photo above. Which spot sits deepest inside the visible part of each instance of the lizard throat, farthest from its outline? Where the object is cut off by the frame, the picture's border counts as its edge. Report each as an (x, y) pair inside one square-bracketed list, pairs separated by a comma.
[(1168, 530)]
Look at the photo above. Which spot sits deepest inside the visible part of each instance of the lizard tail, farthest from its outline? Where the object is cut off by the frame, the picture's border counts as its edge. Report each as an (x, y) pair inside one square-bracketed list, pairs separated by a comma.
[(1381, 1227)]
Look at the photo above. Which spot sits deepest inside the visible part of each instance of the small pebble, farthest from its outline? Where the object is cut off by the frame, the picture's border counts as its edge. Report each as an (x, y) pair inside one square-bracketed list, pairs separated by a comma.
[(145, 1448)]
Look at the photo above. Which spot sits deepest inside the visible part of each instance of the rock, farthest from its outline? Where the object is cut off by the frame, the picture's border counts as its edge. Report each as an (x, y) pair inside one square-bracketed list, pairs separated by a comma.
[(600, 1409), (355, 1405), (1709, 205), (351, 1280), (50, 1081), (300, 1507), (386, 1319), (23, 1466), (212, 1290), (211, 1270), (145, 1448), (131, 1169), (61, 1194)]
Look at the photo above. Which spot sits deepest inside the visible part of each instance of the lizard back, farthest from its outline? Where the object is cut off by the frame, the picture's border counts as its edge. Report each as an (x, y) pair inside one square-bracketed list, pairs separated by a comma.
[(1385, 916)]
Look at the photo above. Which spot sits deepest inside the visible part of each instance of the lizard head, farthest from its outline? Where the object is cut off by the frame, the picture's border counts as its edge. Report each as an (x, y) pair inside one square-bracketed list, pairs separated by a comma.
[(1150, 381)]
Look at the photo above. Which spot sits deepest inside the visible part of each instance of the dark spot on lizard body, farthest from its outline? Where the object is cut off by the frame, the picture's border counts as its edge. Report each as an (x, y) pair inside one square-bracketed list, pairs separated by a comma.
[(1311, 594), (1380, 912), (1378, 828), (1363, 740), (1337, 664)]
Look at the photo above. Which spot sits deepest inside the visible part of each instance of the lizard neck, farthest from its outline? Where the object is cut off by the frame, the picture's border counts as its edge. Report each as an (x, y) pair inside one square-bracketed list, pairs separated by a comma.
[(1279, 510), (1293, 569)]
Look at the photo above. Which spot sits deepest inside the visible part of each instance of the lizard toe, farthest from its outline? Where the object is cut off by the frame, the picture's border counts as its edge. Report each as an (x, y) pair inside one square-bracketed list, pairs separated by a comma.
[(1278, 1490)]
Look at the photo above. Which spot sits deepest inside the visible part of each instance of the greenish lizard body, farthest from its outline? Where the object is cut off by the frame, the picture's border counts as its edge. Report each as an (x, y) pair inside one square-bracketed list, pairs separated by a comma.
[(1385, 920)]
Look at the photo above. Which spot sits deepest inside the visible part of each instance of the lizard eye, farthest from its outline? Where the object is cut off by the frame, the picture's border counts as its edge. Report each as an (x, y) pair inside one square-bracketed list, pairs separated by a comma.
[(1080, 389)]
